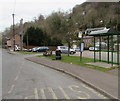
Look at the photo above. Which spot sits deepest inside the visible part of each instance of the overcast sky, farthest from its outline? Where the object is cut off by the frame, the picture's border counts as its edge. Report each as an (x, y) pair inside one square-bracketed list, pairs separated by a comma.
[(28, 9)]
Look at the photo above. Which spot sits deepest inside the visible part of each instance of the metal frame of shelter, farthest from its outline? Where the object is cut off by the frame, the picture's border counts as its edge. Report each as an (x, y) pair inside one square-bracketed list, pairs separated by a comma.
[(108, 33)]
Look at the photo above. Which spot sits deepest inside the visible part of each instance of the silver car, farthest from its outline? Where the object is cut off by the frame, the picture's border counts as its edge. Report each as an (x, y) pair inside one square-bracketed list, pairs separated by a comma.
[(64, 49)]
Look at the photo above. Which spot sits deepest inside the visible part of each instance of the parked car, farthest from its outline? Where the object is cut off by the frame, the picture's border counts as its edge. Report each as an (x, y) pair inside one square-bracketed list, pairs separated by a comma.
[(29, 50), (17, 48), (77, 49), (24, 49), (34, 49), (42, 49), (103, 44), (64, 49), (93, 48)]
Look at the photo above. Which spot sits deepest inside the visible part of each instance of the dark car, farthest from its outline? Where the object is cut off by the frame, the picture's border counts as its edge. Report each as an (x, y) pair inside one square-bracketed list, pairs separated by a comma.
[(29, 50), (42, 49)]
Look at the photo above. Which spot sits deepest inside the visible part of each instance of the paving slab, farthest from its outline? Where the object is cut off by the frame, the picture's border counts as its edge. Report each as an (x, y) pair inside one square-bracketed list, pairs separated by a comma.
[(101, 64)]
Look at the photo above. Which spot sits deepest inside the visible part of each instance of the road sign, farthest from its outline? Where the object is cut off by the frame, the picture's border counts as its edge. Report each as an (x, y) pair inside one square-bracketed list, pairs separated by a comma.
[(81, 47)]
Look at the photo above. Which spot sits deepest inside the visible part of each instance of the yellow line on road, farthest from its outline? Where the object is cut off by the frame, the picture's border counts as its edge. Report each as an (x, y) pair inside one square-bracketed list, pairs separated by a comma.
[(62, 90), (95, 92), (36, 93), (73, 86), (43, 94), (53, 94), (78, 91), (29, 97), (26, 98), (82, 97), (11, 89)]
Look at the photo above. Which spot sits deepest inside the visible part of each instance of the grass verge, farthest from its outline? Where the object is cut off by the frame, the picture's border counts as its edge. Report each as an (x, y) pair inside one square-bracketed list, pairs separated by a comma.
[(76, 61), (23, 52)]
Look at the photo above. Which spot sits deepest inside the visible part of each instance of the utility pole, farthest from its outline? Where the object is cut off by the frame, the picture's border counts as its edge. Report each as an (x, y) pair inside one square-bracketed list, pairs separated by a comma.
[(27, 41), (13, 32), (21, 34)]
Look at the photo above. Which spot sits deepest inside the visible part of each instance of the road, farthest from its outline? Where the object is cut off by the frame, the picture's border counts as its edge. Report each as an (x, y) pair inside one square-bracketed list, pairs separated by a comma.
[(0, 74), (22, 79)]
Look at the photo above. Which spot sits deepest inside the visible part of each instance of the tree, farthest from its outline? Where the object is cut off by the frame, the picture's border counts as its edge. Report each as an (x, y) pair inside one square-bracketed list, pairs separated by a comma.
[(56, 24), (70, 36), (38, 37), (35, 36)]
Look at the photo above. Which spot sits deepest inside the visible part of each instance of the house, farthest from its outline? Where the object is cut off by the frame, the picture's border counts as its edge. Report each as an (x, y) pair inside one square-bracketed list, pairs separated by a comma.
[(10, 42), (88, 41)]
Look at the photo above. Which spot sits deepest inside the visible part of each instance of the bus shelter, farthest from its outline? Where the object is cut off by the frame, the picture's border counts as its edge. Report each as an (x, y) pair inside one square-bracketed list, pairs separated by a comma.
[(106, 46)]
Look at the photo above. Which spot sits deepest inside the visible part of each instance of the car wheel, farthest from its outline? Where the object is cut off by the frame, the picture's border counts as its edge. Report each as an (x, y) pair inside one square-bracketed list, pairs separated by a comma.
[(72, 53)]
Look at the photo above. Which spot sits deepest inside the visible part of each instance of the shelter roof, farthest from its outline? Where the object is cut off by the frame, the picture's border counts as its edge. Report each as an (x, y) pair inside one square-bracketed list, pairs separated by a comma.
[(104, 32)]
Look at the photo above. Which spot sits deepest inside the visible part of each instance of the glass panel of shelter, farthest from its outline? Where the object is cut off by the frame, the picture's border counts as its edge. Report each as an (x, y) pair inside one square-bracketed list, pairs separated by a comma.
[(108, 49)]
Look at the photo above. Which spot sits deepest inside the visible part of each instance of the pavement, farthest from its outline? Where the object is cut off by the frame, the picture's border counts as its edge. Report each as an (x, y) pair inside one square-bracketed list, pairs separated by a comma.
[(102, 64), (106, 83)]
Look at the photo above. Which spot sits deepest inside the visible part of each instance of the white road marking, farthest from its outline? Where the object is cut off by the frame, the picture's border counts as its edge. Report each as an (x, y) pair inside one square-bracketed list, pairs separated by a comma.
[(16, 78), (11, 89)]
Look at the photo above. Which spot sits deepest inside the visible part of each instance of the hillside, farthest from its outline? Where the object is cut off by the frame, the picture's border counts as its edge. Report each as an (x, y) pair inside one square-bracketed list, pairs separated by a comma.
[(97, 14)]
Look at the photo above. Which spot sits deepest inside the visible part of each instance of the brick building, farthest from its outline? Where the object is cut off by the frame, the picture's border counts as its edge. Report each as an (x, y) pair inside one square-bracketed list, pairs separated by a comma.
[(10, 42)]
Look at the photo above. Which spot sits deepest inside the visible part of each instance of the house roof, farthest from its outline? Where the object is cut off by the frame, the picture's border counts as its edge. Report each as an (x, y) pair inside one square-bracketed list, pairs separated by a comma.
[(104, 32)]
